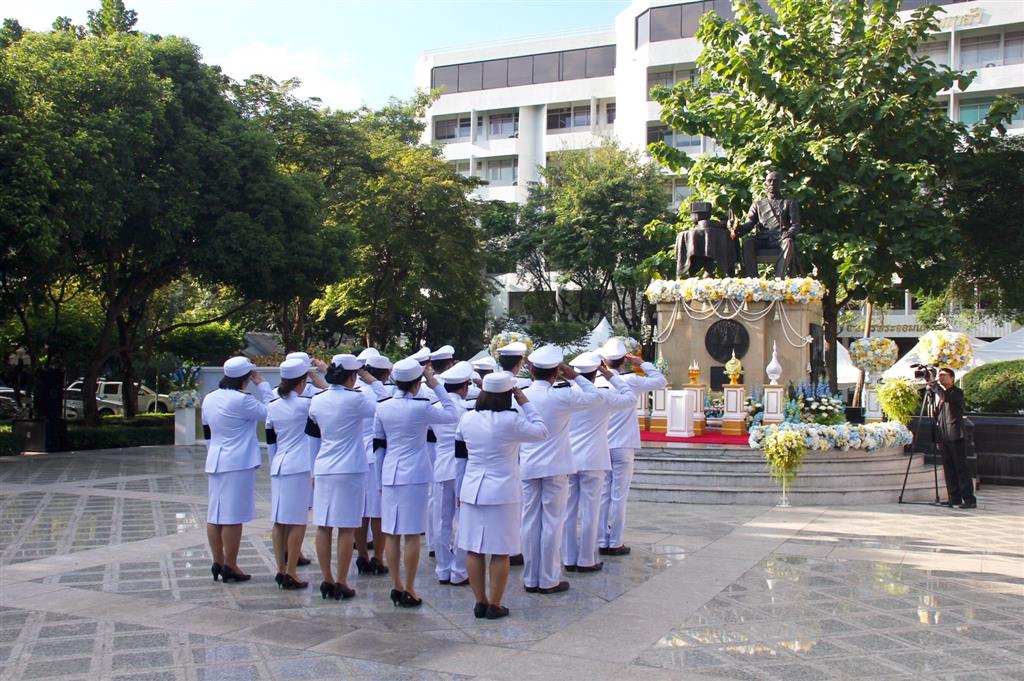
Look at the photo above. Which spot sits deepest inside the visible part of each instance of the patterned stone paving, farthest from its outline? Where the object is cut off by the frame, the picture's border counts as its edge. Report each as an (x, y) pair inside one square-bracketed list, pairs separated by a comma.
[(104, 574)]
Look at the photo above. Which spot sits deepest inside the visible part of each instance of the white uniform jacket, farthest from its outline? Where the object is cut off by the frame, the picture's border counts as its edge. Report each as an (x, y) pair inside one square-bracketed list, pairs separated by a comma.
[(444, 442), (287, 442), (336, 422), (555, 404), (588, 430), (379, 391), (491, 439), (231, 417), (401, 429), (623, 427)]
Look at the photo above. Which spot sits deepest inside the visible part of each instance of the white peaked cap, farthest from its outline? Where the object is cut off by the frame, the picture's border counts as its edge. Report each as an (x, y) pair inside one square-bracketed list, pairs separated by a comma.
[(378, 362), (476, 377), (512, 349), (485, 363), (347, 362), (460, 373), (586, 362), (547, 357), (294, 368), (499, 382), (407, 369), (237, 367), (443, 352), (368, 353), (299, 355), (421, 355), (614, 348)]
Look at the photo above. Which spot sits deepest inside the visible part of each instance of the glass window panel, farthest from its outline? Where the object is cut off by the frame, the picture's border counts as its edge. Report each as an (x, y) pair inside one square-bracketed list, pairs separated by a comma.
[(1013, 48), (722, 8), (503, 125), (976, 52), (684, 141), (680, 190), (665, 23), (520, 71), (545, 68), (560, 118), (610, 112), (973, 111), (495, 73), (936, 50), (691, 15), (658, 78), (643, 29), (471, 77), (659, 133), (445, 129), (574, 64), (581, 116), (464, 123), (600, 61), (446, 77)]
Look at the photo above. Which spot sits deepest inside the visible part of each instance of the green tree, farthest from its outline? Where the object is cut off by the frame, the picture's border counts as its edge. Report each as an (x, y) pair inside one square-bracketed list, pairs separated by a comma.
[(832, 94), (586, 220), (112, 17), (11, 32)]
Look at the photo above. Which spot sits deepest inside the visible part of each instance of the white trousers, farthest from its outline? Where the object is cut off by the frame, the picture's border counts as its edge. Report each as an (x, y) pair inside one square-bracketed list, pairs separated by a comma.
[(451, 561), (612, 520), (544, 501), (579, 546)]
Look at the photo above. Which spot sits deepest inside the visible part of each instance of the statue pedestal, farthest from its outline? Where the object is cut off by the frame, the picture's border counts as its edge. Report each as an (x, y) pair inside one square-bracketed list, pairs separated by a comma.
[(734, 419), (872, 407), (691, 338), (699, 393), (680, 413), (659, 411), (774, 404)]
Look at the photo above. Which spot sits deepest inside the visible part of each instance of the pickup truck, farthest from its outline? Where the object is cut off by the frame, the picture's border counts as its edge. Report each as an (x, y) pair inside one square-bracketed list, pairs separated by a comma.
[(110, 399)]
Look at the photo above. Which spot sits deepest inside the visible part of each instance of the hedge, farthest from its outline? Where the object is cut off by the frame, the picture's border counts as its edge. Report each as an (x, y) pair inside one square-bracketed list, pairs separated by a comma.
[(116, 432), (996, 387), (9, 445)]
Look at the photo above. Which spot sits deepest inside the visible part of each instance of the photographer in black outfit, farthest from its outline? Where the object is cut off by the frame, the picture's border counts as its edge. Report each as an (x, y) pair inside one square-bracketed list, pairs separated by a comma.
[(949, 436)]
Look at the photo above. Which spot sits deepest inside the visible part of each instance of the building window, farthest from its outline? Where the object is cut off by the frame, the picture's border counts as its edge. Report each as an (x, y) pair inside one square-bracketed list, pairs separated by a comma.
[(666, 23), (591, 62), (973, 111), (462, 168), (600, 61), (471, 77), (574, 65), (581, 116), (936, 50), (496, 73), (656, 78), (503, 125), (657, 132), (545, 68), (452, 128), (609, 112), (520, 71), (502, 171), (683, 141), (560, 118), (1013, 48), (680, 191), (643, 28), (446, 77), (980, 52)]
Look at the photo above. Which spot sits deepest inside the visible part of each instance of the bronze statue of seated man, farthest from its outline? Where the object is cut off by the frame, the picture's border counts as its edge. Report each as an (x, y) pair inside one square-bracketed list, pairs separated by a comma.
[(775, 222), (706, 246)]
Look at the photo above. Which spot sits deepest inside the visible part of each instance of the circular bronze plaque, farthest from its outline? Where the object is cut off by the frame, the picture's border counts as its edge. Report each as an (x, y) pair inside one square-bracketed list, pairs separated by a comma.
[(724, 337)]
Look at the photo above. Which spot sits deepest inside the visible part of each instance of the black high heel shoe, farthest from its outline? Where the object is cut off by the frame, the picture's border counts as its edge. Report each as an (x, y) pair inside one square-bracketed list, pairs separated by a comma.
[(341, 591), (480, 610), (290, 583), (396, 596), (326, 590), (496, 612), (378, 567), (229, 575), (301, 562), (279, 580), (408, 601), (215, 569), (363, 565)]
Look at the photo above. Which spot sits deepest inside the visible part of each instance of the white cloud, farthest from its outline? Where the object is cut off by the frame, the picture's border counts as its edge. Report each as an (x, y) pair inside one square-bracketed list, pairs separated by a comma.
[(322, 75)]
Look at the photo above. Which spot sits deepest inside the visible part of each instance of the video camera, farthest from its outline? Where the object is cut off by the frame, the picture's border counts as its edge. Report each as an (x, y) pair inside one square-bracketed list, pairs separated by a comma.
[(925, 372)]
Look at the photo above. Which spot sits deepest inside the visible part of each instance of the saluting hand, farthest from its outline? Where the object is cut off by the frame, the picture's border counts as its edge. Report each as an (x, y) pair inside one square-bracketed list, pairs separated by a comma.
[(520, 396), (428, 374), (635, 360), (366, 376), (321, 366), (255, 377), (566, 371)]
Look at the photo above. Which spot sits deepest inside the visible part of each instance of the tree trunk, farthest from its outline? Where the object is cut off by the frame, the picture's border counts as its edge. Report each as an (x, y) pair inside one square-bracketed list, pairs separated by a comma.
[(830, 314), (129, 391), (92, 375)]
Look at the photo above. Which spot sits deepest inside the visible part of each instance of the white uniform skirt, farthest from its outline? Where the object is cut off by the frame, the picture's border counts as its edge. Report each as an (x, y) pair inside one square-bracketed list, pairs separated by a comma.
[(338, 500), (371, 506), (232, 497), (403, 508), (491, 528), (290, 498)]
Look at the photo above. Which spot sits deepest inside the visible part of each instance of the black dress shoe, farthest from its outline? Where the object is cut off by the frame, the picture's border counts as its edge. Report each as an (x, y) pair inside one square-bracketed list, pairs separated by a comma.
[(531, 589), (444, 581), (341, 591), (464, 582), (495, 612), (618, 551), (303, 561), (291, 584), (557, 588), (480, 610), (515, 560), (969, 504), (363, 565), (431, 554), (229, 575), (597, 567), (569, 568), (949, 503), (602, 550), (410, 601)]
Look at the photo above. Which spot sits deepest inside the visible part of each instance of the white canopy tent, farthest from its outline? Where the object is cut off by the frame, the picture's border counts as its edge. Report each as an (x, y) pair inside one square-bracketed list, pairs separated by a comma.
[(846, 373), (1006, 348), (903, 369)]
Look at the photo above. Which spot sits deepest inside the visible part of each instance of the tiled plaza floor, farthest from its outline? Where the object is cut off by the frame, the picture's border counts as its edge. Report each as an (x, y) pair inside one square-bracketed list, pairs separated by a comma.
[(104, 574)]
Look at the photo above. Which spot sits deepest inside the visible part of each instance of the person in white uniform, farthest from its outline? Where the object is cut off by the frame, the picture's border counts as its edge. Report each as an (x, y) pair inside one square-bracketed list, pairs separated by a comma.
[(546, 466), (510, 360), (623, 441), (336, 424), (440, 361), (451, 560), (400, 428), (378, 366), (588, 435), (230, 416), (491, 496), (291, 489)]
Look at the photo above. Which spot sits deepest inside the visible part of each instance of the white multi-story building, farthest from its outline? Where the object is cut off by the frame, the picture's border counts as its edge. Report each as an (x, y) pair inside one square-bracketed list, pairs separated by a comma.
[(507, 105)]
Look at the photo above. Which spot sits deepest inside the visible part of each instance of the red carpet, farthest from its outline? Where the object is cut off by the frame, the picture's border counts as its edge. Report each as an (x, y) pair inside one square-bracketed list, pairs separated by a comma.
[(706, 439)]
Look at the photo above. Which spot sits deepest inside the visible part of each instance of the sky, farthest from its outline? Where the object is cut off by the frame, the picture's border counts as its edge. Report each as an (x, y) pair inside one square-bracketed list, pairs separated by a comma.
[(346, 52)]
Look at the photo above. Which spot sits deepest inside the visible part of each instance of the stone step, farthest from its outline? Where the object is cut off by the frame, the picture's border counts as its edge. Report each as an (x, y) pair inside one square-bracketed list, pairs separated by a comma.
[(824, 480), (756, 464)]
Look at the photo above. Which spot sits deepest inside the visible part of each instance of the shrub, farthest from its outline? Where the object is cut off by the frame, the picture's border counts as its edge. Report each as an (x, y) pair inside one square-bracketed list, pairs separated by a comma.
[(899, 399), (9, 444), (996, 387)]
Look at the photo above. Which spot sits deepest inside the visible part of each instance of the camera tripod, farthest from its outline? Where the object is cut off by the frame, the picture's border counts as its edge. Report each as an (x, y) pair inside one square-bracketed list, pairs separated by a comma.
[(927, 408)]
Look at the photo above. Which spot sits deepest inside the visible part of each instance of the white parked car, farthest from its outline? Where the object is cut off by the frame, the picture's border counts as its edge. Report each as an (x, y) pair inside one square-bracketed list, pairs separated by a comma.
[(110, 399)]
